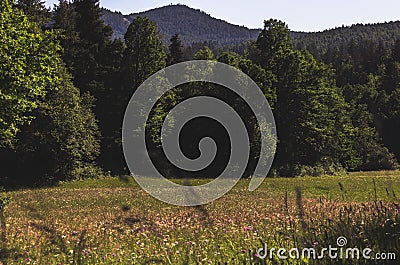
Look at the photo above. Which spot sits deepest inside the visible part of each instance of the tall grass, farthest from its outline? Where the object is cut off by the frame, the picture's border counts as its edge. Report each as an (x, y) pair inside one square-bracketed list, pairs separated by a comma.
[(107, 222)]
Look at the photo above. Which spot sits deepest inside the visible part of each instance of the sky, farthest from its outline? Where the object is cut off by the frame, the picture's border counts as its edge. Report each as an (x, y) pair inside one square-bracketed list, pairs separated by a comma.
[(300, 15)]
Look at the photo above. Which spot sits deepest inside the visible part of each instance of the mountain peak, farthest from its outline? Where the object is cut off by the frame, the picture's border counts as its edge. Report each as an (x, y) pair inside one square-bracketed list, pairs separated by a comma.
[(193, 25)]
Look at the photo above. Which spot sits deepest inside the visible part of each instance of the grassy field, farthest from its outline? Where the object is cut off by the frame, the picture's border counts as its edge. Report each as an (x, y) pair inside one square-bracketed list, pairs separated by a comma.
[(106, 221)]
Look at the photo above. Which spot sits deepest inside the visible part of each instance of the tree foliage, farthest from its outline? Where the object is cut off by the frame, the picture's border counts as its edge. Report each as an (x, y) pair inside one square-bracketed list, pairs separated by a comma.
[(94, 60), (175, 54), (311, 114), (335, 94), (144, 53), (63, 139), (28, 69), (35, 10)]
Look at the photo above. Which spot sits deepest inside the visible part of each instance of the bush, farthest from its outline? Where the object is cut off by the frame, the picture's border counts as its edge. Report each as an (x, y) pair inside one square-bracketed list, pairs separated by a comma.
[(325, 167)]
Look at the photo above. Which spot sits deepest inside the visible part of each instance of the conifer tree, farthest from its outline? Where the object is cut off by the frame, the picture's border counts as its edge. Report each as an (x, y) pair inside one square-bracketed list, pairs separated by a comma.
[(94, 60), (144, 54), (175, 54), (35, 10)]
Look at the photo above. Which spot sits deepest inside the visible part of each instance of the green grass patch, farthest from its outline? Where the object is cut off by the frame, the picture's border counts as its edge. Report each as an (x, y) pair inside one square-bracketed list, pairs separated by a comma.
[(109, 221)]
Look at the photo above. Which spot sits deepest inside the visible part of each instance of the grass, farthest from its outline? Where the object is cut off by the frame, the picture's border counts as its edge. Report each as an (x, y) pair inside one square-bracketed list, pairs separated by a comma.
[(107, 221)]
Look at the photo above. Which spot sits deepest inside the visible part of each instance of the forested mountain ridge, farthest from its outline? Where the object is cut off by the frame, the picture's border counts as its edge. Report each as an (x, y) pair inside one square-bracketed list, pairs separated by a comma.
[(195, 26), (319, 43), (192, 25)]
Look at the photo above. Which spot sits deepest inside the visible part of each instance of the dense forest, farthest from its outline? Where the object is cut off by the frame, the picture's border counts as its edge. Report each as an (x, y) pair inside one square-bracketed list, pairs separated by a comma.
[(65, 81)]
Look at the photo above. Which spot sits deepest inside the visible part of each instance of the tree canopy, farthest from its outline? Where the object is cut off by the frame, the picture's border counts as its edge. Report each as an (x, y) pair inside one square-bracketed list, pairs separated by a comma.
[(28, 69)]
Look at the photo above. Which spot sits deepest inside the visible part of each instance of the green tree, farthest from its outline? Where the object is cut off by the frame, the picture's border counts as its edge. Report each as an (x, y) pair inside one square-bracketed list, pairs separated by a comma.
[(273, 45), (311, 114), (61, 143), (94, 60), (91, 50), (65, 22), (264, 80), (28, 69), (369, 152), (259, 75), (175, 54), (35, 10), (204, 53), (144, 54), (386, 108)]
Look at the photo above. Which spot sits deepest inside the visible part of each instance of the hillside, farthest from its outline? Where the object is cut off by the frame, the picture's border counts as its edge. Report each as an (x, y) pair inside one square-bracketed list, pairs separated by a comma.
[(319, 43), (191, 24), (195, 26)]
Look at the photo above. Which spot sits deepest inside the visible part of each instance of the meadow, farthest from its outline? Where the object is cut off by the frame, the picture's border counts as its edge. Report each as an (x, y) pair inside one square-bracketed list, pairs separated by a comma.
[(108, 221)]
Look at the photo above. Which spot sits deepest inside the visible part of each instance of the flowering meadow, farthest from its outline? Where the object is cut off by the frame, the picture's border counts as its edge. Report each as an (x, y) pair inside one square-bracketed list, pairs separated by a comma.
[(106, 221)]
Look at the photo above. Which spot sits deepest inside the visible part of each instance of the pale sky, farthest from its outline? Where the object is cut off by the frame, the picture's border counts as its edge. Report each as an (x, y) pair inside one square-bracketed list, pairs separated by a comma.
[(300, 15)]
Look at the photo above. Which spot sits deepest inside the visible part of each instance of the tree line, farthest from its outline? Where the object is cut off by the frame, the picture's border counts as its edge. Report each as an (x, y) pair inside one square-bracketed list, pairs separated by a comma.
[(65, 83)]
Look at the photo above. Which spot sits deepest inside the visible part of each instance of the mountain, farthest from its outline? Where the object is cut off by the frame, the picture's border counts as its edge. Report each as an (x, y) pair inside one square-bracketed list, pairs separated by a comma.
[(195, 26), (340, 39), (192, 25)]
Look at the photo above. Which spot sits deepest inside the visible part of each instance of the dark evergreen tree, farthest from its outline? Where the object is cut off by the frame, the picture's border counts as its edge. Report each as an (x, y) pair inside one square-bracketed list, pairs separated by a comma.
[(175, 54), (387, 112), (369, 152), (94, 40), (94, 60), (35, 10), (144, 54), (65, 20)]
